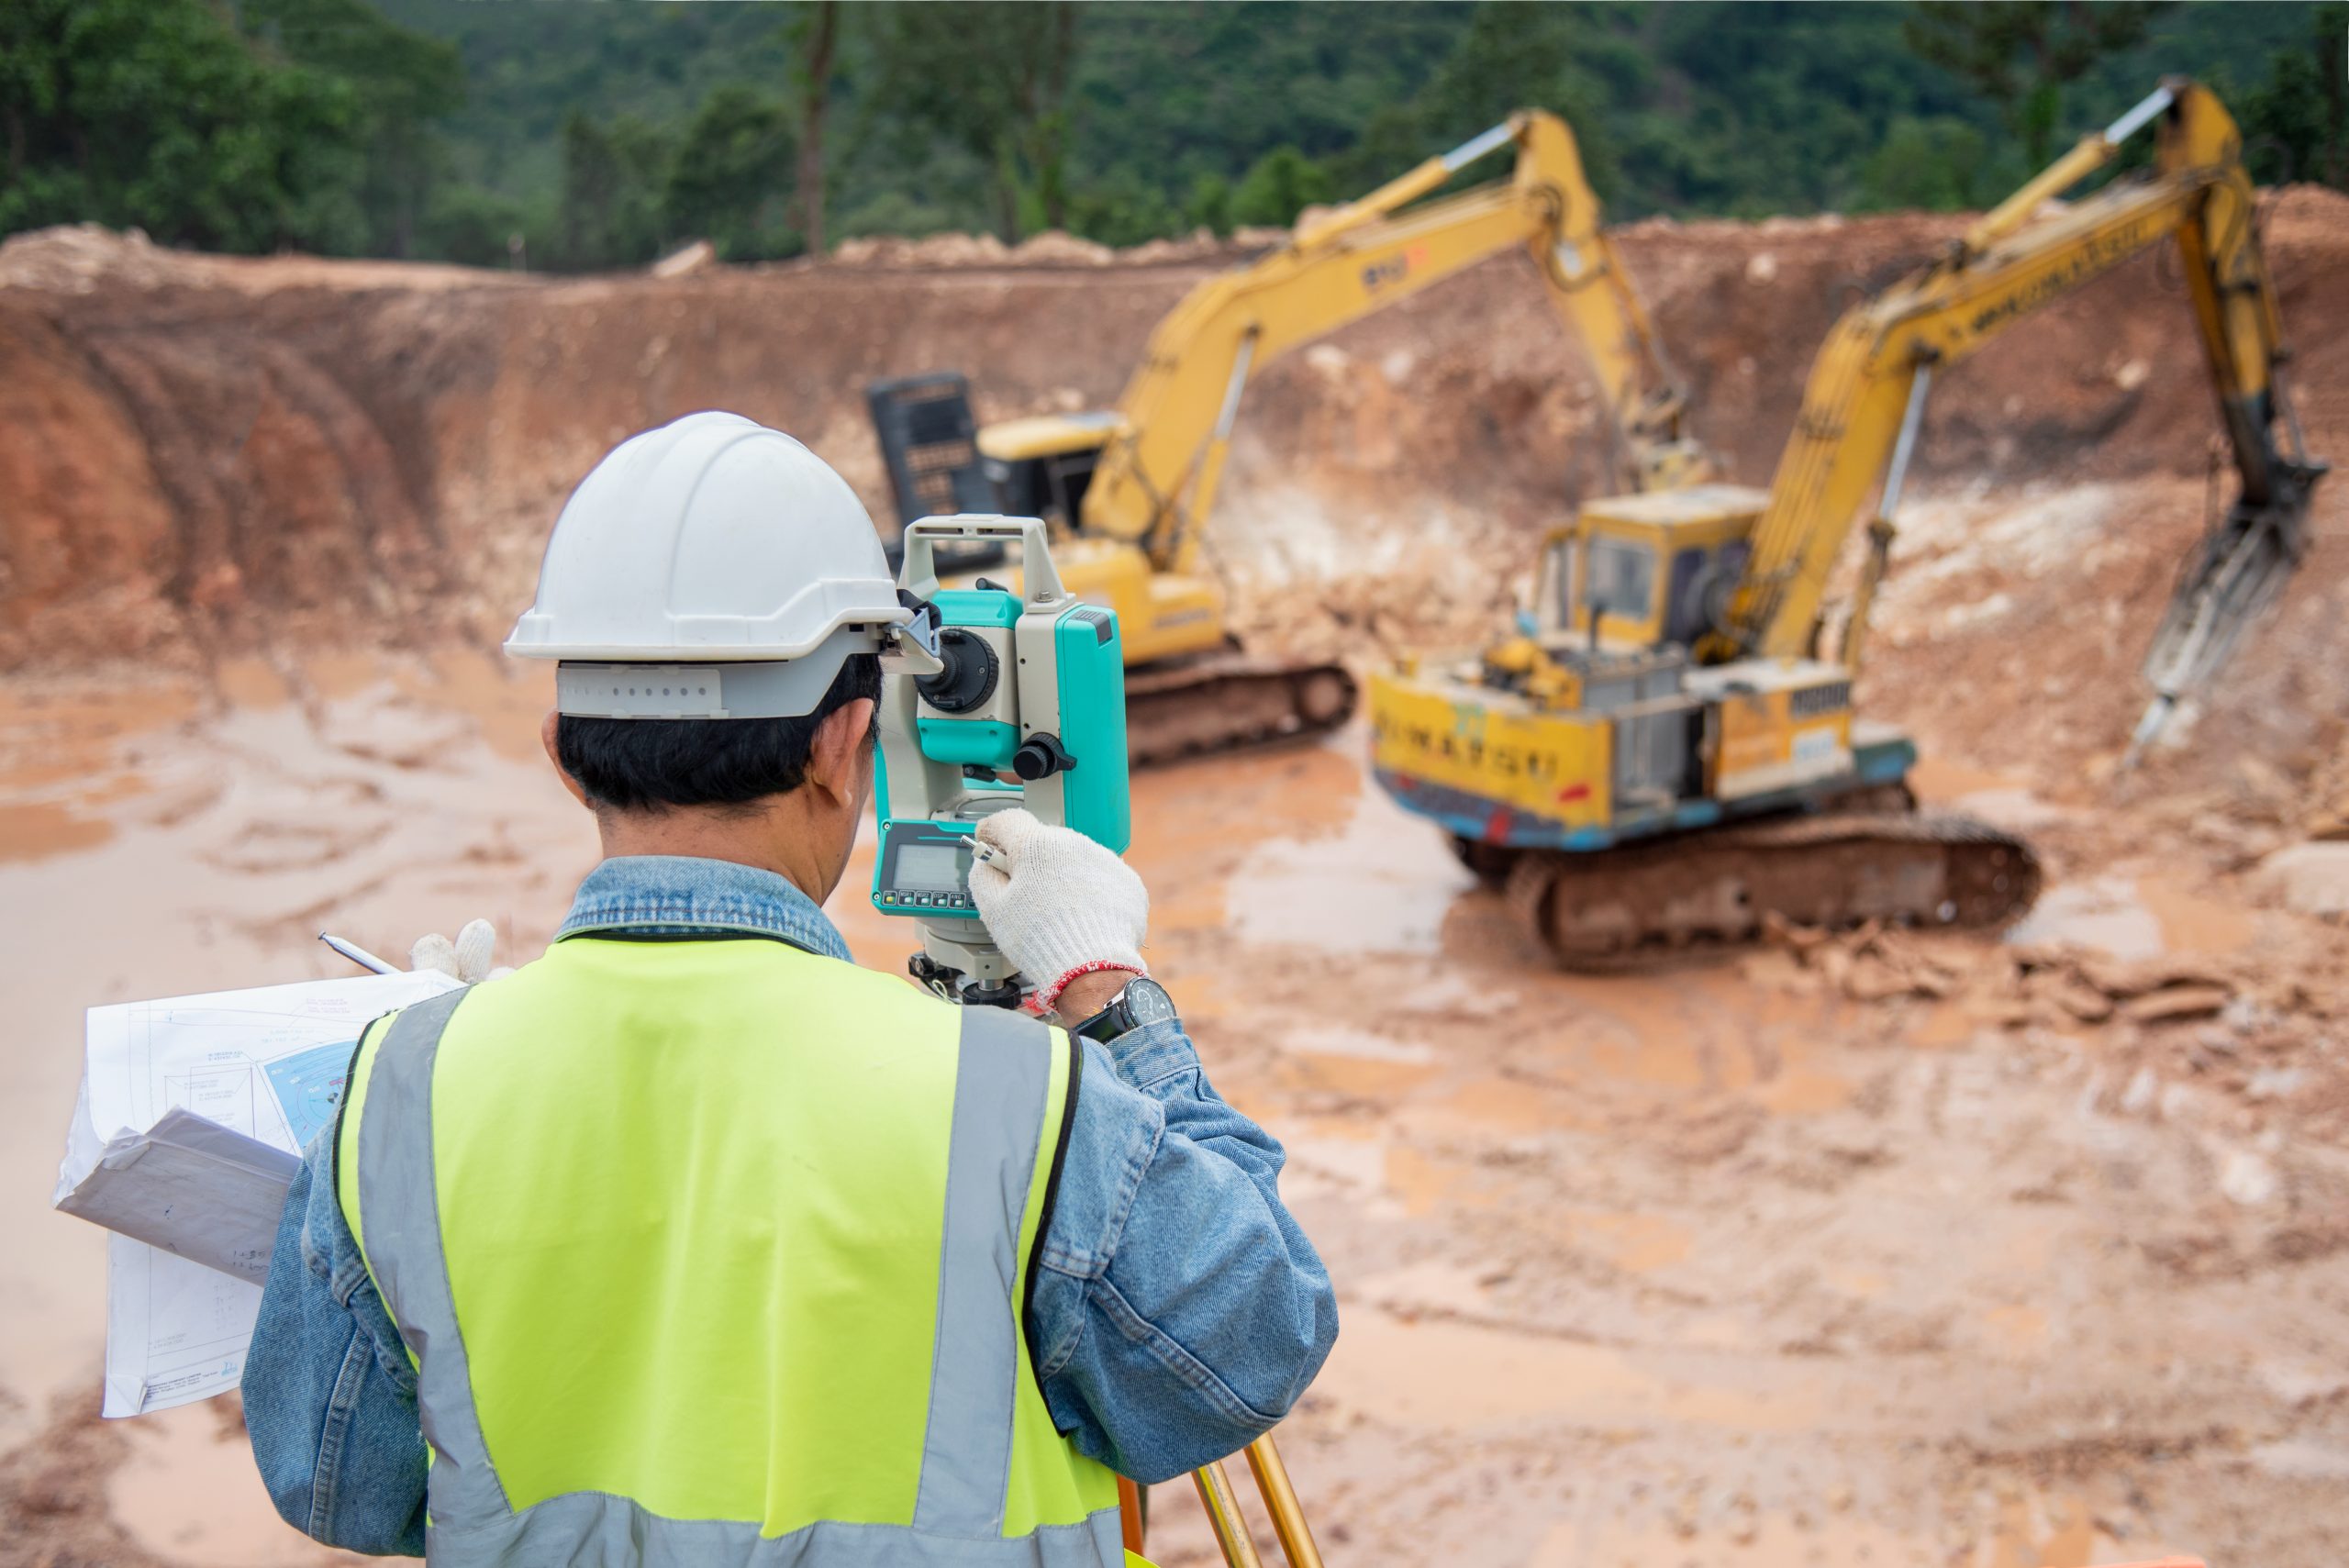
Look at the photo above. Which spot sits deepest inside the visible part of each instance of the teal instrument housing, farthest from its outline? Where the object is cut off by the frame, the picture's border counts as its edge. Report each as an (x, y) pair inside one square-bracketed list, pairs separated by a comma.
[(992, 697), (981, 744), (1085, 714), (975, 607), (1097, 796)]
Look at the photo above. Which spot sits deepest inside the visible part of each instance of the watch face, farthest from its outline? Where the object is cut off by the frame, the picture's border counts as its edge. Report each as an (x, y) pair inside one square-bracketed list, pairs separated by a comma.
[(1146, 1002)]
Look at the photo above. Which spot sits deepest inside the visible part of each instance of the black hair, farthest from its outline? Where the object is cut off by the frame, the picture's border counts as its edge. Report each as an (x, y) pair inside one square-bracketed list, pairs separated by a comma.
[(653, 765)]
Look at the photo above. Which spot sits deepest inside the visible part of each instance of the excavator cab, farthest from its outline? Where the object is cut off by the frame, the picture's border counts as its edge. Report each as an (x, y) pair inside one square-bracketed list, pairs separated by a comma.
[(1653, 570), (1041, 466)]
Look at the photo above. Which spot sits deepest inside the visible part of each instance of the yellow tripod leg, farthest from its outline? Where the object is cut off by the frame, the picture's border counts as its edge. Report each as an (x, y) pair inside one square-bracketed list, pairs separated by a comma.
[(1224, 1517), (1280, 1501)]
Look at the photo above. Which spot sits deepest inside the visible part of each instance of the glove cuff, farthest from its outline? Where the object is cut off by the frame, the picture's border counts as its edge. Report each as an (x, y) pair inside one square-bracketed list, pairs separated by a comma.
[(1048, 996), (1061, 937)]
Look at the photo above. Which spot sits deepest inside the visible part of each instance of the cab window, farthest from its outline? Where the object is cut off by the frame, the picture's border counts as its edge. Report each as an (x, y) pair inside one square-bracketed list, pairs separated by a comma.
[(1622, 578), (1557, 591)]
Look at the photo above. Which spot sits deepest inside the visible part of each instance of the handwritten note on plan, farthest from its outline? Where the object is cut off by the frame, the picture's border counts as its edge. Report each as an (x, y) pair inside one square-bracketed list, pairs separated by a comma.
[(268, 1064)]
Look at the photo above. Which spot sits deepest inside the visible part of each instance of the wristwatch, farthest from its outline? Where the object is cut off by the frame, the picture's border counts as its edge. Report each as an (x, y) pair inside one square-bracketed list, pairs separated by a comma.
[(1143, 1001)]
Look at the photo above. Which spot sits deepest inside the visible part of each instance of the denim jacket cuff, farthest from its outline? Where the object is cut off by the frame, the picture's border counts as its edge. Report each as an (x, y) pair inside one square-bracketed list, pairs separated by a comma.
[(1153, 1053)]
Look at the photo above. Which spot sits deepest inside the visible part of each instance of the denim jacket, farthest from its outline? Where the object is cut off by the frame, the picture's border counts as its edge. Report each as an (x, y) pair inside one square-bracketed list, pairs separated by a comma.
[(1179, 1311)]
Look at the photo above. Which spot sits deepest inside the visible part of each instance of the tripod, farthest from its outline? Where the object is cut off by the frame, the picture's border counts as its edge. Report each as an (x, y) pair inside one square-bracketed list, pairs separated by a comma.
[(1222, 1506)]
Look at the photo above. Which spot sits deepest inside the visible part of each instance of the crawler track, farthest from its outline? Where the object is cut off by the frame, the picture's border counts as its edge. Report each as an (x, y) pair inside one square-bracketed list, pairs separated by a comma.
[(1221, 701), (1626, 907)]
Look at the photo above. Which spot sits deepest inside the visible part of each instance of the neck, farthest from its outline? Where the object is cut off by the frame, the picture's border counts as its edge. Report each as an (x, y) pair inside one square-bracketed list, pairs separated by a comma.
[(773, 837)]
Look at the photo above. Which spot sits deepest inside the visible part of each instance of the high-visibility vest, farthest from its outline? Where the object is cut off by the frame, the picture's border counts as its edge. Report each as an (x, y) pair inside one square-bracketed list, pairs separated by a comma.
[(716, 1252)]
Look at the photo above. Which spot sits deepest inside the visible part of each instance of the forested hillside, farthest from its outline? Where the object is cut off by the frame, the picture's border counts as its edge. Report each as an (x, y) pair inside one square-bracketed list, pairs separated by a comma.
[(587, 135)]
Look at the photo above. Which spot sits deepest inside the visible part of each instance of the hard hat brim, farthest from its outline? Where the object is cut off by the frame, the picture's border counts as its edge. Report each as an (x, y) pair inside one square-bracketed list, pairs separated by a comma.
[(769, 688)]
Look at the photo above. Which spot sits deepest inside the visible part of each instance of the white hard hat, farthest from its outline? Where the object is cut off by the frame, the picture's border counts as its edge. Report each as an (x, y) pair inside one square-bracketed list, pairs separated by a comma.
[(710, 569)]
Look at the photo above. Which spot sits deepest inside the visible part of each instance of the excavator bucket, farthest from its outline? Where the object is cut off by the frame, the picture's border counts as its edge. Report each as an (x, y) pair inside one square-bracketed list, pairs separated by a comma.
[(2236, 573)]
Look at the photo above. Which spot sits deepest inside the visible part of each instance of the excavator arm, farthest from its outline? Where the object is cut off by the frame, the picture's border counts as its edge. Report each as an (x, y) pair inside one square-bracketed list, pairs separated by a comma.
[(1156, 479), (1864, 401)]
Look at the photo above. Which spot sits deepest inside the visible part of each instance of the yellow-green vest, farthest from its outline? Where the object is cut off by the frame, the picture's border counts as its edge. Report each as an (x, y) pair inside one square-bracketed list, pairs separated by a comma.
[(715, 1252)]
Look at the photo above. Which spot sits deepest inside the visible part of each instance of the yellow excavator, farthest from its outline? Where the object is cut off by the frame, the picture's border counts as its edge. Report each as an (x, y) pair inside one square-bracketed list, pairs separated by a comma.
[(1133, 486), (1665, 759)]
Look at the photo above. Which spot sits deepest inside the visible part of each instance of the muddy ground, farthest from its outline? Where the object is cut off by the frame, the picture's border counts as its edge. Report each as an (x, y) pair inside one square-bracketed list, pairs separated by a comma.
[(1721, 1266), (2018, 1252)]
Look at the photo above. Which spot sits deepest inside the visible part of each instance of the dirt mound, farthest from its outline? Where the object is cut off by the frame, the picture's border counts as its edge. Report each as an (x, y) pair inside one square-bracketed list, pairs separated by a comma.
[(78, 257), (1052, 248)]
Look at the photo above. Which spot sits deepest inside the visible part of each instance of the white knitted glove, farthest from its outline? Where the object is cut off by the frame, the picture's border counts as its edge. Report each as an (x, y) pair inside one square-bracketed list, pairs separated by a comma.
[(470, 958), (1056, 903)]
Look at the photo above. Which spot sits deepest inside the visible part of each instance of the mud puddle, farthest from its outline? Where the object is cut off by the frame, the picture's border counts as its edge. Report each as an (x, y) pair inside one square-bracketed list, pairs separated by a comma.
[(2133, 916), (1378, 880)]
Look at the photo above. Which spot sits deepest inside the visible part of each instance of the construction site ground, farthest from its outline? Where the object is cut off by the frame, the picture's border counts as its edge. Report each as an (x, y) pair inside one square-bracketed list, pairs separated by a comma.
[(2013, 1251)]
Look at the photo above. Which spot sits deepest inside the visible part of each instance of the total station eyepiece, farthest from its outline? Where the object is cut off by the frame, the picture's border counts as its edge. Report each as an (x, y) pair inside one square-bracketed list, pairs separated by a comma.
[(969, 678)]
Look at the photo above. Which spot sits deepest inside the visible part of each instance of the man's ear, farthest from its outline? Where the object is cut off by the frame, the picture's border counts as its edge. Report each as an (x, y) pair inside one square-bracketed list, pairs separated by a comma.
[(833, 760), (555, 754)]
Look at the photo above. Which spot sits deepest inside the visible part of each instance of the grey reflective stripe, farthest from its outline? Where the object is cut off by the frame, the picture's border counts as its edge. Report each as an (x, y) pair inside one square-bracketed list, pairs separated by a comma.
[(399, 1221), (595, 1529), (1000, 1086)]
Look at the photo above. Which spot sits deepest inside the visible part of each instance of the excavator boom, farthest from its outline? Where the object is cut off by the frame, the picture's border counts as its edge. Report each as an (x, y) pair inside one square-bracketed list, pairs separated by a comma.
[(1157, 478)]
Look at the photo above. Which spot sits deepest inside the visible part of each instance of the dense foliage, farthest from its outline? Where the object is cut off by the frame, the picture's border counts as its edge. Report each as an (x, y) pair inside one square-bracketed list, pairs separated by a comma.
[(596, 135)]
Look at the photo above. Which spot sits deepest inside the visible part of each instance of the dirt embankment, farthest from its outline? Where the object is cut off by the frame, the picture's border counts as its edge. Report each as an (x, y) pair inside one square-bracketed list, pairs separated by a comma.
[(200, 455)]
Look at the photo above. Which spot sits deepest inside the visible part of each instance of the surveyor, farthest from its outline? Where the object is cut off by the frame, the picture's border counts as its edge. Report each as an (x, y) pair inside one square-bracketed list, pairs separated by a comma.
[(691, 1243)]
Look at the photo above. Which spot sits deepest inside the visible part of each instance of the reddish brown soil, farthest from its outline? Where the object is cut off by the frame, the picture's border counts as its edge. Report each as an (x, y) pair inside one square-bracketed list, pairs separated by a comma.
[(1884, 1250)]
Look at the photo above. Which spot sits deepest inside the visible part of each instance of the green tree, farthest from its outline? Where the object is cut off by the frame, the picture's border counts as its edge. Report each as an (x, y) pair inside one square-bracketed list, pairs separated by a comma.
[(814, 36), (404, 83), (1282, 184), (2021, 54), (614, 181), (1122, 210), (470, 226), (1210, 205), (2300, 109), (731, 168), (991, 78), (1394, 138), (156, 113), (1530, 57), (1932, 165)]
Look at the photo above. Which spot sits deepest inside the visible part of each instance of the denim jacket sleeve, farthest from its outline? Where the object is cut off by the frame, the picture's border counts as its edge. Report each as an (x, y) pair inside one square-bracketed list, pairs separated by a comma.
[(1178, 1310), (329, 1396)]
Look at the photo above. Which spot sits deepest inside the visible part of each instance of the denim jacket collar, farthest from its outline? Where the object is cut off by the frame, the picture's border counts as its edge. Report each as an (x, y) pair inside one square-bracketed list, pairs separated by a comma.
[(678, 895)]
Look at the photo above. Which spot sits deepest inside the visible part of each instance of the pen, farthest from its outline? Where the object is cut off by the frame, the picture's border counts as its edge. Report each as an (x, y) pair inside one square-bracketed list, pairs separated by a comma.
[(356, 954)]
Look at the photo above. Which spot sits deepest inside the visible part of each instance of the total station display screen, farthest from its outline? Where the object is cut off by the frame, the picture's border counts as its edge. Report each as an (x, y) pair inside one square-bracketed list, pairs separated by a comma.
[(931, 868), (924, 869)]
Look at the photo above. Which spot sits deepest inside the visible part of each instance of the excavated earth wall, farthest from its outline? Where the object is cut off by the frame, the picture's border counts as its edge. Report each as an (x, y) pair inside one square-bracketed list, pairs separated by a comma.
[(200, 454)]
